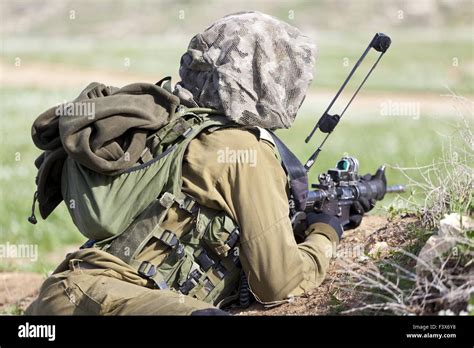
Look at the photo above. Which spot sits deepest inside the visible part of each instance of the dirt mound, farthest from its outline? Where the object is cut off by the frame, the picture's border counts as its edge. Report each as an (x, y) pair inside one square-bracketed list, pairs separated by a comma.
[(329, 298)]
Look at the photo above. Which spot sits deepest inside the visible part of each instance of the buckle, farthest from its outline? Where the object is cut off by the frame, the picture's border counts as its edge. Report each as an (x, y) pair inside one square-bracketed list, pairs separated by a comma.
[(169, 238), (182, 127), (229, 243), (147, 269), (190, 205), (233, 237), (191, 282), (166, 199), (208, 286), (180, 250), (204, 260)]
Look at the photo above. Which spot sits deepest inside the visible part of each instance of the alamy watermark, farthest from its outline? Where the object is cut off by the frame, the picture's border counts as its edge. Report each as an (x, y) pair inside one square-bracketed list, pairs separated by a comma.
[(344, 252), (246, 156), (84, 109), (28, 330), (397, 108), (19, 251)]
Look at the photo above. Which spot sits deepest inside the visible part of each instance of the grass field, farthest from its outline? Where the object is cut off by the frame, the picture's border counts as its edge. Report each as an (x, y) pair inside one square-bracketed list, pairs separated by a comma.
[(373, 139), (430, 66), (419, 64)]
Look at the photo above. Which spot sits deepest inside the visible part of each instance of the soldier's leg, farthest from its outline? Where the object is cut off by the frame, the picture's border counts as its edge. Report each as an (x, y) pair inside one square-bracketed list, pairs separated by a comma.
[(164, 302), (138, 300), (60, 294), (93, 292)]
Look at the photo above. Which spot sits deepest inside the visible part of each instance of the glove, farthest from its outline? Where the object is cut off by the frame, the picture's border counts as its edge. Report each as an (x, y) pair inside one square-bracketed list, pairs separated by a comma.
[(364, 205), (357, 211), (333, 221)]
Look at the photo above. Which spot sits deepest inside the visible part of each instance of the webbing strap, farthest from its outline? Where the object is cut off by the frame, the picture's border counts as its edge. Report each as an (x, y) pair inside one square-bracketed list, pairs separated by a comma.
[(297, 173), (203, 259), (150, 271), (189, 205), (134, 238), (230, 243), (171, 240)]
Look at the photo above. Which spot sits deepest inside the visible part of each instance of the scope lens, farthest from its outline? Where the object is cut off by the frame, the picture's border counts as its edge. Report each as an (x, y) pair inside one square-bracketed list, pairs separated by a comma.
[(343, 164)]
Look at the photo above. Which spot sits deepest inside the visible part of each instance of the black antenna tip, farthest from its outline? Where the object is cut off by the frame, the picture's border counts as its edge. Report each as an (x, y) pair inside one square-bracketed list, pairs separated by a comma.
[(381, 42)]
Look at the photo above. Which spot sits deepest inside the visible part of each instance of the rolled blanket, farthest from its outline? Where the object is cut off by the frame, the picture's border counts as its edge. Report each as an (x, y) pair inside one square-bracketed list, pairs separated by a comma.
[(104, 129)]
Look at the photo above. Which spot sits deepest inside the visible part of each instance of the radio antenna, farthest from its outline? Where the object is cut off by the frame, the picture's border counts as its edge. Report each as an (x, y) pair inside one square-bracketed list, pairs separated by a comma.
[(327, 122)]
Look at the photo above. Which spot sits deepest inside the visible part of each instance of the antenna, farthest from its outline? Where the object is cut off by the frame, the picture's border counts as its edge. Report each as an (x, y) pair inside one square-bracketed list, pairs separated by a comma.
[(327, 122)]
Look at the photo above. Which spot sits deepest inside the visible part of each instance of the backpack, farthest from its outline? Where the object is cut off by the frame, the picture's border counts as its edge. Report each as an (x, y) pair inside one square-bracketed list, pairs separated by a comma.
[(103, 206), (121, 214)]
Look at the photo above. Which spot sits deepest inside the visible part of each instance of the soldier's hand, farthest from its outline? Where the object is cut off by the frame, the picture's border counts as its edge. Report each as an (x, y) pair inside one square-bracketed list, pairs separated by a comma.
[(331, 220)]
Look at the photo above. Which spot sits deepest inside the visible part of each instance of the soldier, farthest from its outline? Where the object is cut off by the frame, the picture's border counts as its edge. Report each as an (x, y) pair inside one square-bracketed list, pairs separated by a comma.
[(256, 70)]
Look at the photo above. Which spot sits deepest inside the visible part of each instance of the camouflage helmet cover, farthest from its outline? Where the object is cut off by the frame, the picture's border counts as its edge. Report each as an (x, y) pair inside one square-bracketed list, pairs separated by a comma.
[(252, 66)]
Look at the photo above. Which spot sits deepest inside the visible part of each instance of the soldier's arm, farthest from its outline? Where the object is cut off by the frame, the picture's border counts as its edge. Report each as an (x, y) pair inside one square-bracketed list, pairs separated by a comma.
[(254, 194)]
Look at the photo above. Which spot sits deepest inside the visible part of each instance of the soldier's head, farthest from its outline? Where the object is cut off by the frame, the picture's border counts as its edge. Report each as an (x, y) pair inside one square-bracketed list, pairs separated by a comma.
[(252, 66)]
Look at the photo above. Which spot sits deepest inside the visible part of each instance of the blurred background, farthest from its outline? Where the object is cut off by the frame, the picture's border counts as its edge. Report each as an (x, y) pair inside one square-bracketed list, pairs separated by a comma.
[(405, 116)]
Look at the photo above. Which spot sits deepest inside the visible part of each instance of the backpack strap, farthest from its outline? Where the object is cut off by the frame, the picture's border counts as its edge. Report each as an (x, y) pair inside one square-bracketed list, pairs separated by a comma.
[(131, 242), (296, 171), (128, 244), (165, 83)]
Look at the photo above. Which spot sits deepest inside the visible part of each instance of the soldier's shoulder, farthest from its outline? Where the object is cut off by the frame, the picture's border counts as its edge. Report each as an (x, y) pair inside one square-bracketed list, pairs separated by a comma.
[(238, 137)]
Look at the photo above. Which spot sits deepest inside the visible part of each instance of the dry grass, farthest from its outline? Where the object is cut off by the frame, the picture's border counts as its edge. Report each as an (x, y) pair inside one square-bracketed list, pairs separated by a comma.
[(404, 283), (387, 287)]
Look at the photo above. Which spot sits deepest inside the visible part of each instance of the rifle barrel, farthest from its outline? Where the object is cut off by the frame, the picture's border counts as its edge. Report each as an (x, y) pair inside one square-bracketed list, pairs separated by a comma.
[(395, 189)]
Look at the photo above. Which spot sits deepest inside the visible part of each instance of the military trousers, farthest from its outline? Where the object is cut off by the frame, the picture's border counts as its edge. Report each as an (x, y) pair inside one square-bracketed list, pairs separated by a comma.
[(85, 289)]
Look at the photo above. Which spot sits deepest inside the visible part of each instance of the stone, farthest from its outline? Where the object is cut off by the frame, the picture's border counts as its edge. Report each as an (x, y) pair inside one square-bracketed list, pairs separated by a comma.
[(445, 241), (380, 250)]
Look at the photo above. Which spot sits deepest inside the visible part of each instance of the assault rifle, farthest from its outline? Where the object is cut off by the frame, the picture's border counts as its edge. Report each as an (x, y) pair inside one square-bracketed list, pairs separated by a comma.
[(340, 187)]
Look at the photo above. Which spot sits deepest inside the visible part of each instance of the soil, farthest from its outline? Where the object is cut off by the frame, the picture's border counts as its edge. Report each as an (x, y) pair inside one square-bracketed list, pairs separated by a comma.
[(18, 290)]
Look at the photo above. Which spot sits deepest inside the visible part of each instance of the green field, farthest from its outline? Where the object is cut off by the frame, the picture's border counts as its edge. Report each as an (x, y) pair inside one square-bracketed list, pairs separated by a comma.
[(373, 140), (422, 63), (438, 63)]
